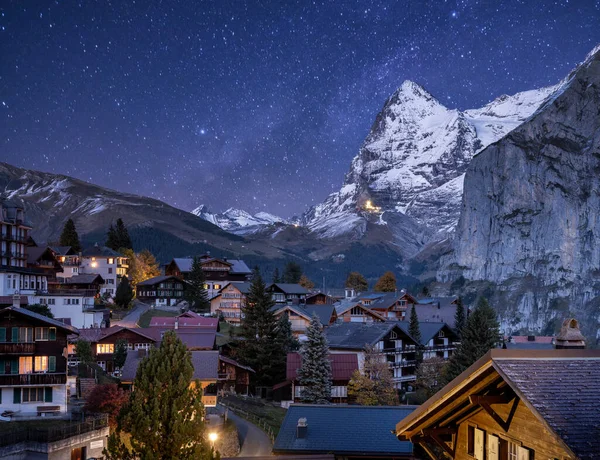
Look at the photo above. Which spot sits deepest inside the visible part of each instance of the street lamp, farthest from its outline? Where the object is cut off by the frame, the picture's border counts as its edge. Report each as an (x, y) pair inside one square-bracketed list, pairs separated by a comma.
[(213, 437)]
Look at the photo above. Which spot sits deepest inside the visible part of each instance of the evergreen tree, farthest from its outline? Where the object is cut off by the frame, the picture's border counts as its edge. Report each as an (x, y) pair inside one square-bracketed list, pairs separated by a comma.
[(124, 294), (112, 241), (306, 283), (122, 235), (415, 332), (375, 385), (480, 334), (195, 293), (83, 351), (286, 343), (69, 236), (357, 282), (276, 276), (387, 283), (315, 373), (292, 273), (120, 354), (43, 310), (259, 347), (459, 317), (165, 415)]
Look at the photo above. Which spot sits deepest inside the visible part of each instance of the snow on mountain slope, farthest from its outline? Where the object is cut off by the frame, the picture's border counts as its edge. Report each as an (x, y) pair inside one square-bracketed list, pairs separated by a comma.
[(413, 162), (238, 221)]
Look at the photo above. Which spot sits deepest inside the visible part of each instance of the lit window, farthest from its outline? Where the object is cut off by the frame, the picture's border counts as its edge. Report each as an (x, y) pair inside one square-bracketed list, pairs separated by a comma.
[(25, 365), (111, 261), (105, 348), (217, 286), (41, 364)]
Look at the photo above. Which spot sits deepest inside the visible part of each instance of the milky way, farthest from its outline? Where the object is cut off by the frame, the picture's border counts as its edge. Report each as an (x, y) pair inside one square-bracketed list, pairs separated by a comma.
[(258, 105)]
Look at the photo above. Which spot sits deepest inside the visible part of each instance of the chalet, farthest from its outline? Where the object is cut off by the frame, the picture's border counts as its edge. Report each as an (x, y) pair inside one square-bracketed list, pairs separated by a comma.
[(233, 377), (398, 347), (343, 366), (514, 404), (229, 302), (218, 272), (109, 264), (320, 298), (33, 363), (184, 321), (104, 341), (69, 260), (301, 315), (392, 305), (287, 293), (347, 432), (75, 298), (437, 339), (43, 259), (161, 290), (14, 233), (356, 312)]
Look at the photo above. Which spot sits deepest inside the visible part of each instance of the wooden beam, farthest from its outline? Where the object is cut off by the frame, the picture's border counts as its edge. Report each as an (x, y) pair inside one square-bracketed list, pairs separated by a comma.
[(497, 399), (435, 433), (485, 403), (422, 441)]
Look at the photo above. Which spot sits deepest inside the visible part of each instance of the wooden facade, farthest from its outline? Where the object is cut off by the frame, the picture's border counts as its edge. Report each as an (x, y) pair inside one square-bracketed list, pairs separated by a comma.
[(161, 290), (513, 405), (229, 302)]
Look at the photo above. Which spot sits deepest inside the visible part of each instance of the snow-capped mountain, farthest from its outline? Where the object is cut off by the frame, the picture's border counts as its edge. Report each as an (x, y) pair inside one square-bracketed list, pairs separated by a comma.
[(413, 163), (238, 221)]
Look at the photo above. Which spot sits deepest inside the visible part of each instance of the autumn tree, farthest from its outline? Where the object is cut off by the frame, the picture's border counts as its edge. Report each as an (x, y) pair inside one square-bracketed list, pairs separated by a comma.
[(429, 375), (306, 283), (375, 385), (387, 283), (292, 272), (195, 293), (69, 236), (357, 282), (106, 399), (142, 266), (314, 374), (480, 334), (165, 415)]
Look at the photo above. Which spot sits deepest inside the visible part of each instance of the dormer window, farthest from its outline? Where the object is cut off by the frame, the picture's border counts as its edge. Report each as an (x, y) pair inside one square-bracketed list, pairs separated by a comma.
[(441, 334), (393, 335)]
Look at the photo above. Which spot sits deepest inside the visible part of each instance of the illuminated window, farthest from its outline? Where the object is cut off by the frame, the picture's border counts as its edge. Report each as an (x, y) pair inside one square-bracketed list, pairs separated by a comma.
[(25, 365), (41, 364), (217, 286), (105, 348), (111, 261)]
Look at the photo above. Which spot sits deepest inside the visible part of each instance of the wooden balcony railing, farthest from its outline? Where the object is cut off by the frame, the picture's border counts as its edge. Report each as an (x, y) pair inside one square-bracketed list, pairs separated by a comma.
[(17, 348), (33, 379)]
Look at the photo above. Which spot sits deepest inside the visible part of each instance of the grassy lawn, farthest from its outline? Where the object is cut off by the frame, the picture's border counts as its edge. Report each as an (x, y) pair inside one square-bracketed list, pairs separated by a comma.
[(227, 331), (271, 414), (146, 317)]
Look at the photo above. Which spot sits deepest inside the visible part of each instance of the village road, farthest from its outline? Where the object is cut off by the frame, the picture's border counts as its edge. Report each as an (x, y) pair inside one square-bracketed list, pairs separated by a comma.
[(254, 442), (132, 318)]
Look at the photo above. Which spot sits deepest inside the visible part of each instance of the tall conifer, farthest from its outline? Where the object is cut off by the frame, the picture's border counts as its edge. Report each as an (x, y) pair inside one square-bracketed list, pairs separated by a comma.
[(69, 236), (315, 373), (195, 293), (459, 317)]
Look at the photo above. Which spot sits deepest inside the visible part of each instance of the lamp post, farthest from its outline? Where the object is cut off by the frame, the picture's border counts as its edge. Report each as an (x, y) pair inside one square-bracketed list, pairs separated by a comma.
[(213, 437)]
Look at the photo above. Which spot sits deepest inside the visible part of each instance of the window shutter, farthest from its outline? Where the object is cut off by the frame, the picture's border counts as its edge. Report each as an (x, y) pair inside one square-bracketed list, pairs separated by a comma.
[(52, 333), (48, 395), (16, 395), (52, 364), (479, 441), (14, 366), (2, 367), (15, 334), (2, 334), (522, 453), (493, 447)]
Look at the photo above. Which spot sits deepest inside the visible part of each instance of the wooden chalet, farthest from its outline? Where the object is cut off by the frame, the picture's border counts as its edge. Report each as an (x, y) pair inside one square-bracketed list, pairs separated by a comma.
[(288, 293), (320, 298), (44, 260), (514, 404), (229, 302), (357, 313), (392, 305), (161, 290), (301, 315)]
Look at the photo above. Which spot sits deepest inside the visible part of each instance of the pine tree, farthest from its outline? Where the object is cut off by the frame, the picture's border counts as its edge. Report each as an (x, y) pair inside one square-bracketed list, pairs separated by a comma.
[(276, 276), (292, 273), (459, 317), (195, 293), (415, 332), (112, 240), (165, 415), (315, 373), (357, 282), (375, 385), (306, 283), (122, 235), (43, 310), (120, 354), (480, 334), (124, 294), (69, 236), (83, 351), (259, 347), (387, 283), (286, 343)]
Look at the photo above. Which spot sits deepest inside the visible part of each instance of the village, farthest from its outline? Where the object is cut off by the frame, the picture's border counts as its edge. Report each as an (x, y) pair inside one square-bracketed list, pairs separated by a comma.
[(351, 372)]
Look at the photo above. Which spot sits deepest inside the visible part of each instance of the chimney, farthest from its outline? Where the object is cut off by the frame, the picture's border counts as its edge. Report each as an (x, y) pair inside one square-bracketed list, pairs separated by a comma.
[(302, 428), (570, 336), (16, 301), (176, 322)]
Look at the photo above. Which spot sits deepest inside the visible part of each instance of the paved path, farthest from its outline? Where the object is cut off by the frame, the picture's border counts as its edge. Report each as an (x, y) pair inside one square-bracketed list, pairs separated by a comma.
[(132, 318), (253, 440)]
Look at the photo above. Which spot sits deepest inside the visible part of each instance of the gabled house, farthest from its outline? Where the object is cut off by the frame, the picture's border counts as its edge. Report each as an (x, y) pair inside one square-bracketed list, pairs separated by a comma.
[(109, 264), (301, 315), (229, 302), (217, 272), (185, 320), (161, 290), (396, 345), (69, 260), (437, 339), (320, 298), (514, 404), (343, 366), (288, 293), (392, 305), (43, 259), (356, 312), (33, 363), (347, 432)]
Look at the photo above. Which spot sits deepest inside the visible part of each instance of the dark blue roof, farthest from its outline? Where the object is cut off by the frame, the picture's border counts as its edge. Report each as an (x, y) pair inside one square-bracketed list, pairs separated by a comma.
[(350, 430)]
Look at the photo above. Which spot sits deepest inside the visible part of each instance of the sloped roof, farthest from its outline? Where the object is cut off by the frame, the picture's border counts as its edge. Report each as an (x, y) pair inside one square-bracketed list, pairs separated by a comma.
[(237, 265), (206, 365), (233, 362), (45, 319), (86, 278), (97, 334), (344, 430), (289, 288), (345, 306), (244, 287), (132, 362), (100, 251), (192, 337), (156, 280), (343, 365), (34, 253), (63, 250), (183, 321), (428, 330), (323, 312), (354, 336)]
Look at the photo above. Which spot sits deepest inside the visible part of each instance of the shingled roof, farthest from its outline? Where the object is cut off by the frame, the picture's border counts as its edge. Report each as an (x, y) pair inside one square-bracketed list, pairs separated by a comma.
[(344, 431), (354, 336), (343, 365)]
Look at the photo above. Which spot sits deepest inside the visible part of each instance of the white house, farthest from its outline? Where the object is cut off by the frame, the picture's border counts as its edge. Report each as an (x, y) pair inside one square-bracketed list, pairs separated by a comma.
[(109, 264)]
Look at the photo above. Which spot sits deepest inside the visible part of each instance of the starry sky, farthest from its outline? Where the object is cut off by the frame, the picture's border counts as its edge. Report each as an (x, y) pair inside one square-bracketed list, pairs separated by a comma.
[(259, 105)]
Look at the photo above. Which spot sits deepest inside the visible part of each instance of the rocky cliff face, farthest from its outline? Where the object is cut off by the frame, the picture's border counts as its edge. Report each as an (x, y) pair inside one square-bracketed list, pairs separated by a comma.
[(530, 219), (412, 164)]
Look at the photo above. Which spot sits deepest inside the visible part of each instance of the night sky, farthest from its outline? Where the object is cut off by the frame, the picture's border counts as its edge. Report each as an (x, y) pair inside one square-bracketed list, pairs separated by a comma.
[(259, 105)]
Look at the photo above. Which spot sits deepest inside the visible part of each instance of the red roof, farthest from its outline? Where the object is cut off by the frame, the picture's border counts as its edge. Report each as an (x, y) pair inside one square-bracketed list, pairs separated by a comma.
[(169, 322), (343, 365)]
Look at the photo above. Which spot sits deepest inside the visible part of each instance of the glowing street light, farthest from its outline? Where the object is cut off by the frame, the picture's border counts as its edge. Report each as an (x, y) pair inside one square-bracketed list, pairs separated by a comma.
[(213, 437)]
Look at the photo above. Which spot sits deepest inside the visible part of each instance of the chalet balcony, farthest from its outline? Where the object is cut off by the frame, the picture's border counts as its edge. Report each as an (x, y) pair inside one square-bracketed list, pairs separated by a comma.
[(33, 379), (17, 348), (404, 363), (405, 378), (68, 292)]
